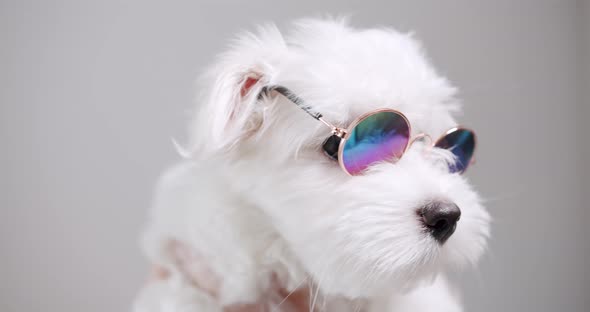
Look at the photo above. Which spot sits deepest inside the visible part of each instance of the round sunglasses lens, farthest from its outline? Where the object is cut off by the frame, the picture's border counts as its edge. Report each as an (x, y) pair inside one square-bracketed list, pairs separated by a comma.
[(377, 137), (461, 143)]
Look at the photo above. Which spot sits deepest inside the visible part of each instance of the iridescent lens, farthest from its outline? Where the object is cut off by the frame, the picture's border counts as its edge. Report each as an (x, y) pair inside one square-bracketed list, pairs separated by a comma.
[(461, 142), (378, 137)]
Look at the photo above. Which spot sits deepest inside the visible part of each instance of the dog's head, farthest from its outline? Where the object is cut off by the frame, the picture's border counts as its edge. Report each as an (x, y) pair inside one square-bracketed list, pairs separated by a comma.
[(355, 235)]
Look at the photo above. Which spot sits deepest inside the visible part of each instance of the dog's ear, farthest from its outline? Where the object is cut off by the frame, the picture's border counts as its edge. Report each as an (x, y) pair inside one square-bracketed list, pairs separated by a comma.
[(228, 111)]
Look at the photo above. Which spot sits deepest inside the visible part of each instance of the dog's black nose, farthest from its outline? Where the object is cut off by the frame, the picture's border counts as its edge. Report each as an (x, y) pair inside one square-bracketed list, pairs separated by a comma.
[(440, 218)]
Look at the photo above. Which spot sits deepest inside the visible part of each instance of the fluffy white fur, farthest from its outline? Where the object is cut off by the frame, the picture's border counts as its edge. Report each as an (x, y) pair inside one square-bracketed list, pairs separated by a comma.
[(258, 198)]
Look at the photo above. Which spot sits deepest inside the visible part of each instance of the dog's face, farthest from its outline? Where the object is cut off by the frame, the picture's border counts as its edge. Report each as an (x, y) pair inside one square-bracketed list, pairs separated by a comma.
[(354, 235)]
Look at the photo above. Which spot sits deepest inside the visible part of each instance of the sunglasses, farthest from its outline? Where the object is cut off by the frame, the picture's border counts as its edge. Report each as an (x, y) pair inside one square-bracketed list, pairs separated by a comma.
[(381, 135)]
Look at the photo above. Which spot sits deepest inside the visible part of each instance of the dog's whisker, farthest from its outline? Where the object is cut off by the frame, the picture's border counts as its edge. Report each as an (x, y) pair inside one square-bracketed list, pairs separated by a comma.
[(275, 309), (315, 294)]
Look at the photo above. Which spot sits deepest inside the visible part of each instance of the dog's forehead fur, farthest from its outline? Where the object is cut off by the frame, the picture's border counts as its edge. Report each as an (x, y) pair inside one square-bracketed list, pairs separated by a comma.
[(344, 72)]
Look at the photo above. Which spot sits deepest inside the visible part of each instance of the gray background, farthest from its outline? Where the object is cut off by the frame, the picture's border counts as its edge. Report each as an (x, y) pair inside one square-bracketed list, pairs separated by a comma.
[(91, 94)]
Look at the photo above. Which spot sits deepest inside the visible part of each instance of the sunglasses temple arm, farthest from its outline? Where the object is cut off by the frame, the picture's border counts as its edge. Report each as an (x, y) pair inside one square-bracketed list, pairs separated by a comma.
[(298, 101)]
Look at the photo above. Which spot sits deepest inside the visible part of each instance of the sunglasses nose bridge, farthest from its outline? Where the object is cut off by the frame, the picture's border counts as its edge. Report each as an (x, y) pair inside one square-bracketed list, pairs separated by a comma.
[(421, 137)]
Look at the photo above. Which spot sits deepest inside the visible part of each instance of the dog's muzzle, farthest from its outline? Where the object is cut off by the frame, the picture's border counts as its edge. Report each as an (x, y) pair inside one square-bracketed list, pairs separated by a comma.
[(440, 219)]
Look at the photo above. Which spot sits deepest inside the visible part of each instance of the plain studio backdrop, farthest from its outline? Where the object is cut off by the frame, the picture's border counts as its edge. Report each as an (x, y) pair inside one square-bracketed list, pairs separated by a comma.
[(91, 94)]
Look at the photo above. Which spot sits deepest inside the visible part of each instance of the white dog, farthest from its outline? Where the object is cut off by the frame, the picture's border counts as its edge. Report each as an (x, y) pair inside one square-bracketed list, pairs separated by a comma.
[(264, 209)]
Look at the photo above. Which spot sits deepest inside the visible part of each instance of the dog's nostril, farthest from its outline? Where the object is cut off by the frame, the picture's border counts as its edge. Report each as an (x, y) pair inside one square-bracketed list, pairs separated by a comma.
[(440, 218), (440, 225)]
